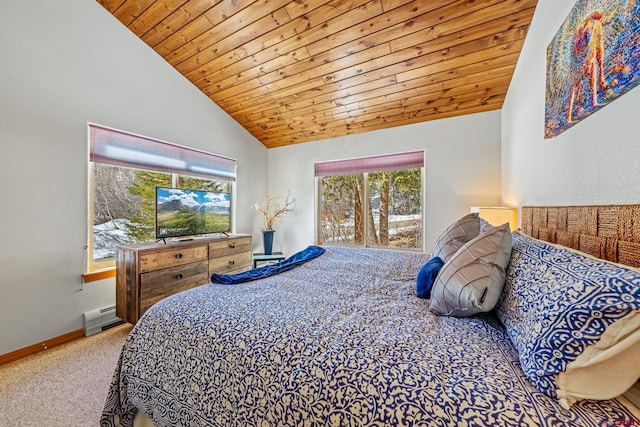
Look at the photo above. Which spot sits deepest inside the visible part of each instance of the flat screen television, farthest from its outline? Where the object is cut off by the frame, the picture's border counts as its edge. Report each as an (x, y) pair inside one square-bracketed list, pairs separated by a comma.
[(181, 212)]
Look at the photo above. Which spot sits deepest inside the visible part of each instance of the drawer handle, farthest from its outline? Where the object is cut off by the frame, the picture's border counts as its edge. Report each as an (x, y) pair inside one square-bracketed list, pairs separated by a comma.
[(232, 262), (179, 276), (178, 256), (232, 245)]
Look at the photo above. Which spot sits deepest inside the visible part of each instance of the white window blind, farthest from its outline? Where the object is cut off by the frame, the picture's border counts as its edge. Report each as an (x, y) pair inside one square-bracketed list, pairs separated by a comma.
[(386, 162), (119, 148)]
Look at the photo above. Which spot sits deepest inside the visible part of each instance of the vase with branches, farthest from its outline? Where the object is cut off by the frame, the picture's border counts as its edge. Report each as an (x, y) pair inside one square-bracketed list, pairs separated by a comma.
[(272, 208)]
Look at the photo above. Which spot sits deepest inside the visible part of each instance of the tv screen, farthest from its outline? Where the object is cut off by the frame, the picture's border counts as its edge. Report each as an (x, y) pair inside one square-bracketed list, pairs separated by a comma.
[(182, 212)]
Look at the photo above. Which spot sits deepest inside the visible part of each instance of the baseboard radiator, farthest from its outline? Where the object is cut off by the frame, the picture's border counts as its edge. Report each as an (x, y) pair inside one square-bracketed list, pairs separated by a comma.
[(100, 319)]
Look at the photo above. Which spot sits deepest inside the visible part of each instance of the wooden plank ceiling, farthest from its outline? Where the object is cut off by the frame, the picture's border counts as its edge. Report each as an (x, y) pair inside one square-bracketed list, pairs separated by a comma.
[(304, 70)]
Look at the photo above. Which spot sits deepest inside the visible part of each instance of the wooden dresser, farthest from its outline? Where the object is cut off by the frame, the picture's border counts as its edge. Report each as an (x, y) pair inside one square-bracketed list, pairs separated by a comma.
[(149, 272)]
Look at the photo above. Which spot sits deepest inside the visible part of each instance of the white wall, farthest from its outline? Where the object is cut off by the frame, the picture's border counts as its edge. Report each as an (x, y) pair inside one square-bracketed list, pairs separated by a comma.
[(66, 63), (462, 169), (594, 162)]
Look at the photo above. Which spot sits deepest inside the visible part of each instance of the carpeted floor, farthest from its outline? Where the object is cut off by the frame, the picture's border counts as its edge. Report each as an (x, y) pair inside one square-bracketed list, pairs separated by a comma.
[(63, 386)]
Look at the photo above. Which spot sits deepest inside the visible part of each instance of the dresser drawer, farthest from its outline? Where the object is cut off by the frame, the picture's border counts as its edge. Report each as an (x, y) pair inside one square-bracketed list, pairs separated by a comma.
[(171, 257), (158, 284), (231, 263), (149, 272), (229, 246)]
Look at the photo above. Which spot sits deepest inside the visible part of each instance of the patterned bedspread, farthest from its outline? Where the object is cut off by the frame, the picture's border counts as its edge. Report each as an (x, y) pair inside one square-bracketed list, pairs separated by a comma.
[(339, 341)]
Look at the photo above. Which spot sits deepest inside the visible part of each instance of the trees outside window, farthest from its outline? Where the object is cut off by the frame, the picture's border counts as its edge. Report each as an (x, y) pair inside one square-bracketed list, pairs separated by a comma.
[(373, 209), (124, 170)]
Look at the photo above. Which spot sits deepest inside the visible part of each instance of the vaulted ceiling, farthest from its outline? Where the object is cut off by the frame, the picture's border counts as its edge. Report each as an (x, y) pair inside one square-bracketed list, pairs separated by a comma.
[(292, 71)]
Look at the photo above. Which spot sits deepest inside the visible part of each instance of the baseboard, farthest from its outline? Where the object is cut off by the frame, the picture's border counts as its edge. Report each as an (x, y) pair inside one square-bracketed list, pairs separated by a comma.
[(42, 346)]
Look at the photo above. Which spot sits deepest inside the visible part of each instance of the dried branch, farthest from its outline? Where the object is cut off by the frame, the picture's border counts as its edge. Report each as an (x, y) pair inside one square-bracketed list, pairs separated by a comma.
[(273, 208)]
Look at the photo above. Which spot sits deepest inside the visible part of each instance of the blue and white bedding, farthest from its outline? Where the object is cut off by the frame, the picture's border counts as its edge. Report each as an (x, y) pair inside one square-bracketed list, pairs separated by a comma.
[(339, 341)]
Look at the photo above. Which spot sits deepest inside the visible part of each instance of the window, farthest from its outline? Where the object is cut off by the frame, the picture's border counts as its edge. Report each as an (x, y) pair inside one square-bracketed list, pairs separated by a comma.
[(372, 201), (124, 170)]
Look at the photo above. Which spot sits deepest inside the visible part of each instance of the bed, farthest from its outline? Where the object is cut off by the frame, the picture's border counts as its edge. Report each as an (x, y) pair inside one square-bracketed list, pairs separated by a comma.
[(343, 340)]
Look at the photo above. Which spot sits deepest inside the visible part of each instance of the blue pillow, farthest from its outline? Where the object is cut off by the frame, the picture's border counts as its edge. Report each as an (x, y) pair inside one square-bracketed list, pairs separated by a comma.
[(427, 276), (565, 312)]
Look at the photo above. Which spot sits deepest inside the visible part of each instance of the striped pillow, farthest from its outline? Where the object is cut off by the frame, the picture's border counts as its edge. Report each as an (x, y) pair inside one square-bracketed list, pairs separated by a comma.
[(456, 235), (472, 280)]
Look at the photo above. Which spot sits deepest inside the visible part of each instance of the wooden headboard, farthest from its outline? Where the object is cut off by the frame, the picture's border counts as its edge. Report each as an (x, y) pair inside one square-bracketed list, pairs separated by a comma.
[(609, 232)]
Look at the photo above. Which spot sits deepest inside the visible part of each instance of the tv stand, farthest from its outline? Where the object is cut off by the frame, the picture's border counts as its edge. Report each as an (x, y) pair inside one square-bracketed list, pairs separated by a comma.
[(149, 272)]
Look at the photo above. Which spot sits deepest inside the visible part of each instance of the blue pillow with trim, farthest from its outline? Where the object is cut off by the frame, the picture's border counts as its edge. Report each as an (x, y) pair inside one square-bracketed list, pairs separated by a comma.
[(570, 318), (427, 276)]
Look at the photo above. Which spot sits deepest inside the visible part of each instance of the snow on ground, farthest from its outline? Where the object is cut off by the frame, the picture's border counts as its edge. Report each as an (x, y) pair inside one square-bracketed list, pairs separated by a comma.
[(107, 236)]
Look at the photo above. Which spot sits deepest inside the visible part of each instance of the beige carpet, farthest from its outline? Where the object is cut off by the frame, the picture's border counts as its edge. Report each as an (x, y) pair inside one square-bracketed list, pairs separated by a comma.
[(63, 386)]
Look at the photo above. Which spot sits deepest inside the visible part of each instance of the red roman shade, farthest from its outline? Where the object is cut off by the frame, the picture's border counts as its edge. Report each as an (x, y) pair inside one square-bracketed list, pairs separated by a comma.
[(119, 148), (385, 162)]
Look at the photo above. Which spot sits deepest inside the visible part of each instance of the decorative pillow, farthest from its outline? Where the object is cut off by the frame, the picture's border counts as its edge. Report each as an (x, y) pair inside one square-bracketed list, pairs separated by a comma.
[(456, 235), (574, 320), (427, 276), (472, 280)]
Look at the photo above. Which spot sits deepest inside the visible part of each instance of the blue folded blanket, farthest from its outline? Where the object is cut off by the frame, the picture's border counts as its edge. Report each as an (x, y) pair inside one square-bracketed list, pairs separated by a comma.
[(293, 261)]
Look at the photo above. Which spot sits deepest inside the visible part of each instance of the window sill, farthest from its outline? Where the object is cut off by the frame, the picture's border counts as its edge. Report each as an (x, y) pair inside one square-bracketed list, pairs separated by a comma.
[(105, 273)]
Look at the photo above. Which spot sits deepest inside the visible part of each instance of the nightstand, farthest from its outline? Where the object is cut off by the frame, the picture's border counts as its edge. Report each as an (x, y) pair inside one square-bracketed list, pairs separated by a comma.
[(260, 257)]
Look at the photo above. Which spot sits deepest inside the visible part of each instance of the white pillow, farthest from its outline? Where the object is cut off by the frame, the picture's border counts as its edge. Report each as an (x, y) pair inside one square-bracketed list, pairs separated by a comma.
[(472, 280), (456, 235)]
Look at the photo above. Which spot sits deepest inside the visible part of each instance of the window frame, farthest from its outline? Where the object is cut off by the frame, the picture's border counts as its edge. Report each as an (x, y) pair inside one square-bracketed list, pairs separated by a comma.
[(196, 163), (353, 166)]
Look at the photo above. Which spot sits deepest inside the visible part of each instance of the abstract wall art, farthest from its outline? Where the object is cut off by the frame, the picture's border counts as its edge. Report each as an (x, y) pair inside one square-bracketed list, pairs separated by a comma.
[(593, 59)]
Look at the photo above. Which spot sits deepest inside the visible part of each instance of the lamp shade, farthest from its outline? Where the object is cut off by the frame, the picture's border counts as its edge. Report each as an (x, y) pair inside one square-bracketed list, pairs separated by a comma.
[(498, 215)]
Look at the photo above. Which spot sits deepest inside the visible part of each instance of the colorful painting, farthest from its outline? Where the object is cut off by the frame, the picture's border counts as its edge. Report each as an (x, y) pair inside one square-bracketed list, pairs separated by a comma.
[(593, 59)]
